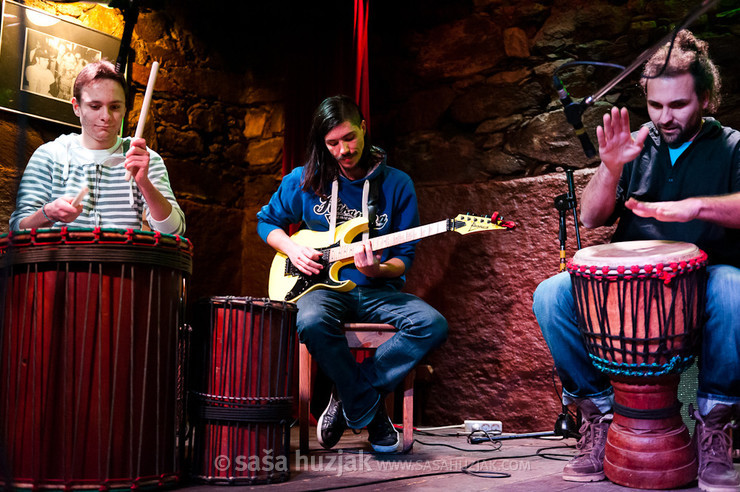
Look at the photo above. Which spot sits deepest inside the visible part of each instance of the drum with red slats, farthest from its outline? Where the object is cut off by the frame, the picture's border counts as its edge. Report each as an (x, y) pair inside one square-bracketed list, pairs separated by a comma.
[(241, 402), (91, 390), (640, 306)]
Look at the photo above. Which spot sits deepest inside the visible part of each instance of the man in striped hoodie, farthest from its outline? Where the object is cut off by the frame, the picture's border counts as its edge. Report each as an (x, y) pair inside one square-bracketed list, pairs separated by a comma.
[(97, 159)]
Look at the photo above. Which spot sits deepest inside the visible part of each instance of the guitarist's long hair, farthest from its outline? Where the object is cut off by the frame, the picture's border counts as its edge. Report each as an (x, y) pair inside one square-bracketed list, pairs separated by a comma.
[(321, 167)]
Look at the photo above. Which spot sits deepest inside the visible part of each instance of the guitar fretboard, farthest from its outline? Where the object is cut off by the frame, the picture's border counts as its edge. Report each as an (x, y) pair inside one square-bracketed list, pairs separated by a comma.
[(345, 251)]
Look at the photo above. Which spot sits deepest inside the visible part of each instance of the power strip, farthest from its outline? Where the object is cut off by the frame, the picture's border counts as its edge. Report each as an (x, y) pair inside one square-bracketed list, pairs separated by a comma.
[(492, 426)]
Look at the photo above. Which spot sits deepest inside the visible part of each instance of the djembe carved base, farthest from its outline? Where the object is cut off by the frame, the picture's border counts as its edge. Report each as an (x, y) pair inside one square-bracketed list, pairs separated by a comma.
[(648, 446)]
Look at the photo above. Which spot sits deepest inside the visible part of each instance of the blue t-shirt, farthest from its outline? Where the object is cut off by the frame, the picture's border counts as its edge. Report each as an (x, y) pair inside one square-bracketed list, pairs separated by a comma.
[(676, 153)]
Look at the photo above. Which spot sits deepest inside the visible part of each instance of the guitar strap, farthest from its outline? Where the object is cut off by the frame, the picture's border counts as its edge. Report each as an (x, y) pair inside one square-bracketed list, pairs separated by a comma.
[(333, 214), (370, 194), (370, 199)]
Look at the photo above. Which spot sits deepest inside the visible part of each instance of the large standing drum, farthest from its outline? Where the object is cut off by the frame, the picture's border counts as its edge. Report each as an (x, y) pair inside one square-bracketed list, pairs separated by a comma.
[(640, 306), (90, 392), (241, 403)]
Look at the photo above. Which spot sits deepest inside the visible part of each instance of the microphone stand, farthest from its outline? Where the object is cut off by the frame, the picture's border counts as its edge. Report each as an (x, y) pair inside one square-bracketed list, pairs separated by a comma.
[(130, 11), (563, 203), (565, 426)]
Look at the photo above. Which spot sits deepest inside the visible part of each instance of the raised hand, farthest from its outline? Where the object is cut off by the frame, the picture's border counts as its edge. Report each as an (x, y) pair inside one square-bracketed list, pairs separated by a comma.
[(616, 145)]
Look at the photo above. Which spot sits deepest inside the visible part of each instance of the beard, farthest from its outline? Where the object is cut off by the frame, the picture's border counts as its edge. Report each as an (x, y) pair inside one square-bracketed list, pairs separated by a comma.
[(675, 135)]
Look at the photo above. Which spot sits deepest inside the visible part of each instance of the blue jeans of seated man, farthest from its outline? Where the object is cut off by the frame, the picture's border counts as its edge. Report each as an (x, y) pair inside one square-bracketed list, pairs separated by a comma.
[(719, 360), (360, 386)]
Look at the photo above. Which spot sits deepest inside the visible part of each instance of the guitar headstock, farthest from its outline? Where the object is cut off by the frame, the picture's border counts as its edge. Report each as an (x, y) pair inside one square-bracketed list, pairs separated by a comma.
[(467, 223)]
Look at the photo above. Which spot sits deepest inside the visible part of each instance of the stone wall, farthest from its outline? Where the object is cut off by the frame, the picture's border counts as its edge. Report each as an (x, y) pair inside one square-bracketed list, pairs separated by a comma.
[(461, 98)]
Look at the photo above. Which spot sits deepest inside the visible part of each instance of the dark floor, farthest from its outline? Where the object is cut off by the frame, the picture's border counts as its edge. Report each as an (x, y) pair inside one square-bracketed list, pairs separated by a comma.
[(435, 463)]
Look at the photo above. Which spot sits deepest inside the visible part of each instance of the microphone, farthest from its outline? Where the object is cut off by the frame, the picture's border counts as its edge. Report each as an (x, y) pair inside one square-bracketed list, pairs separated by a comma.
[(573, 112)]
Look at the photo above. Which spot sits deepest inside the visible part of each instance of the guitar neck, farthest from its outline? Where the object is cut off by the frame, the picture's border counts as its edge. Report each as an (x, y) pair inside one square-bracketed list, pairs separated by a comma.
[(345, 251)]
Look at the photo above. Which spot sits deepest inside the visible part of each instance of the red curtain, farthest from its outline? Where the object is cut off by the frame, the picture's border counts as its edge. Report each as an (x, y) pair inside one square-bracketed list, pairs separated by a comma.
[(362, 84)]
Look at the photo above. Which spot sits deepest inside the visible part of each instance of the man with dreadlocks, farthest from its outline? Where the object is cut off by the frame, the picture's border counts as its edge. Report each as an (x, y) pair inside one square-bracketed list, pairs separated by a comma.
[(677, 178)]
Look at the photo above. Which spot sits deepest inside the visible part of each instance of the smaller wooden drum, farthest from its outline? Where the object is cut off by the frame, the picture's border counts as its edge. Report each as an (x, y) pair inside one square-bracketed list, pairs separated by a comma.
[(241, 400)]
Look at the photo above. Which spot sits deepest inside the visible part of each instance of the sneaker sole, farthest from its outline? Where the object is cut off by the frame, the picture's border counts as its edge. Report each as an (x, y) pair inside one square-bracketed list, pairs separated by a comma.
[(318, 434), (391, 448), (593, 477), (717, 488)]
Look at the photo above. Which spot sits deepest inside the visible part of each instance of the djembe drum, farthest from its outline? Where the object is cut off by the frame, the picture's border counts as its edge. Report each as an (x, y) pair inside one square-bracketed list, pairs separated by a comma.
[(241, 399), (91, 395), (640, 307)]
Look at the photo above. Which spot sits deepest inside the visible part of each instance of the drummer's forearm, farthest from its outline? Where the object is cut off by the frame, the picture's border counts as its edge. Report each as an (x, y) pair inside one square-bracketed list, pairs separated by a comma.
[(159, 207), (721, 210)]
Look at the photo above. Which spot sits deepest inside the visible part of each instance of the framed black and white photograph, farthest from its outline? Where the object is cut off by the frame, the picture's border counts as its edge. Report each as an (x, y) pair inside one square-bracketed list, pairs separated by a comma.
[(40, 56)]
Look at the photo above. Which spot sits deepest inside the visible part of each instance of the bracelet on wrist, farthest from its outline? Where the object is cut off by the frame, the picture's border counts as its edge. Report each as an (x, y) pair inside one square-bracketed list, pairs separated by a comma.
[(43, 212)]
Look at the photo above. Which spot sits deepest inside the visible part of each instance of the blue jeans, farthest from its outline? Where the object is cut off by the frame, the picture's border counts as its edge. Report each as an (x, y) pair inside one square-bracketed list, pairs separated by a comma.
[(719, 359), (360, 386)]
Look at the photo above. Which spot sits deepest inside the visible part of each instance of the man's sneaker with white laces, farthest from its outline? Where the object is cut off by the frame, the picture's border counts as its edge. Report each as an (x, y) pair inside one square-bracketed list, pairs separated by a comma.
[(588, 464), (381, 433), (331, 424)]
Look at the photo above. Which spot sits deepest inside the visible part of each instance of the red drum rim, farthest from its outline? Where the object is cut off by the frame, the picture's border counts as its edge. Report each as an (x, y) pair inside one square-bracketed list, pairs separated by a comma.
[(99, 245), (637, 259)]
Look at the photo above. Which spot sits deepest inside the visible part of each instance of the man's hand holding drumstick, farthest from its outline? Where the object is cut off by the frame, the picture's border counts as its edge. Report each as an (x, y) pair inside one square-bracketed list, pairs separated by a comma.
[(137, 158), (63, 209)]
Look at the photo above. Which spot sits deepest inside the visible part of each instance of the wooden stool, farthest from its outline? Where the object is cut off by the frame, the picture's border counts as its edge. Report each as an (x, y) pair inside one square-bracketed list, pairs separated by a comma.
[(359, 336)]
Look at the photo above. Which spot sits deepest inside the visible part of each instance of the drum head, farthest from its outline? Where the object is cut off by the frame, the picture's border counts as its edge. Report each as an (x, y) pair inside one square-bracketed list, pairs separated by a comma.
[(626, 253)]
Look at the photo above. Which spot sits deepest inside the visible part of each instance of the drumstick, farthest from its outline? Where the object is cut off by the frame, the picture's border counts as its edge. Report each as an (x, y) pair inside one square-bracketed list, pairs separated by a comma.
[(145, 107), (80, 195)]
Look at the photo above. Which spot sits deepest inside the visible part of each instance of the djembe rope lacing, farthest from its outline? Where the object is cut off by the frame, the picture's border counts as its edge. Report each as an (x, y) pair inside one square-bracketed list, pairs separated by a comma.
[(616, 350)]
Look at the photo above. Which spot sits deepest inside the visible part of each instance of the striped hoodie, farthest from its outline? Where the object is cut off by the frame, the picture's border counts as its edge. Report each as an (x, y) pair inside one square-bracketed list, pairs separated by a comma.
[(62, 167)]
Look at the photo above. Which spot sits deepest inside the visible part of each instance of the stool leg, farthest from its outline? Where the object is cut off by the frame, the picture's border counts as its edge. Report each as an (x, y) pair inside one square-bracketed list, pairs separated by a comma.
[(304, 397), (408, 412)]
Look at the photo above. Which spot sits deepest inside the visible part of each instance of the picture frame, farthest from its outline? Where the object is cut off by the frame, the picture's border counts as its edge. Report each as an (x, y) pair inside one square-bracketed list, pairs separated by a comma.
[(40, 56)]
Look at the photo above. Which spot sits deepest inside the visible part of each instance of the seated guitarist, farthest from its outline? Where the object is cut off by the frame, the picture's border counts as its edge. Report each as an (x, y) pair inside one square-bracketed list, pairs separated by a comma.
[(341, 169)]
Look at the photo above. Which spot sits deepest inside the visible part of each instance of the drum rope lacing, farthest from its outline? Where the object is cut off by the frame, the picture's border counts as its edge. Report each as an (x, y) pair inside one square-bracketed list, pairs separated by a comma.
[(662, 271), (609, 347)]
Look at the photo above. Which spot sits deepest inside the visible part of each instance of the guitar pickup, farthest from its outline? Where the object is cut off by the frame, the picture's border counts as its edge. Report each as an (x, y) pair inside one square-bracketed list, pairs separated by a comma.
[(292, 270)]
